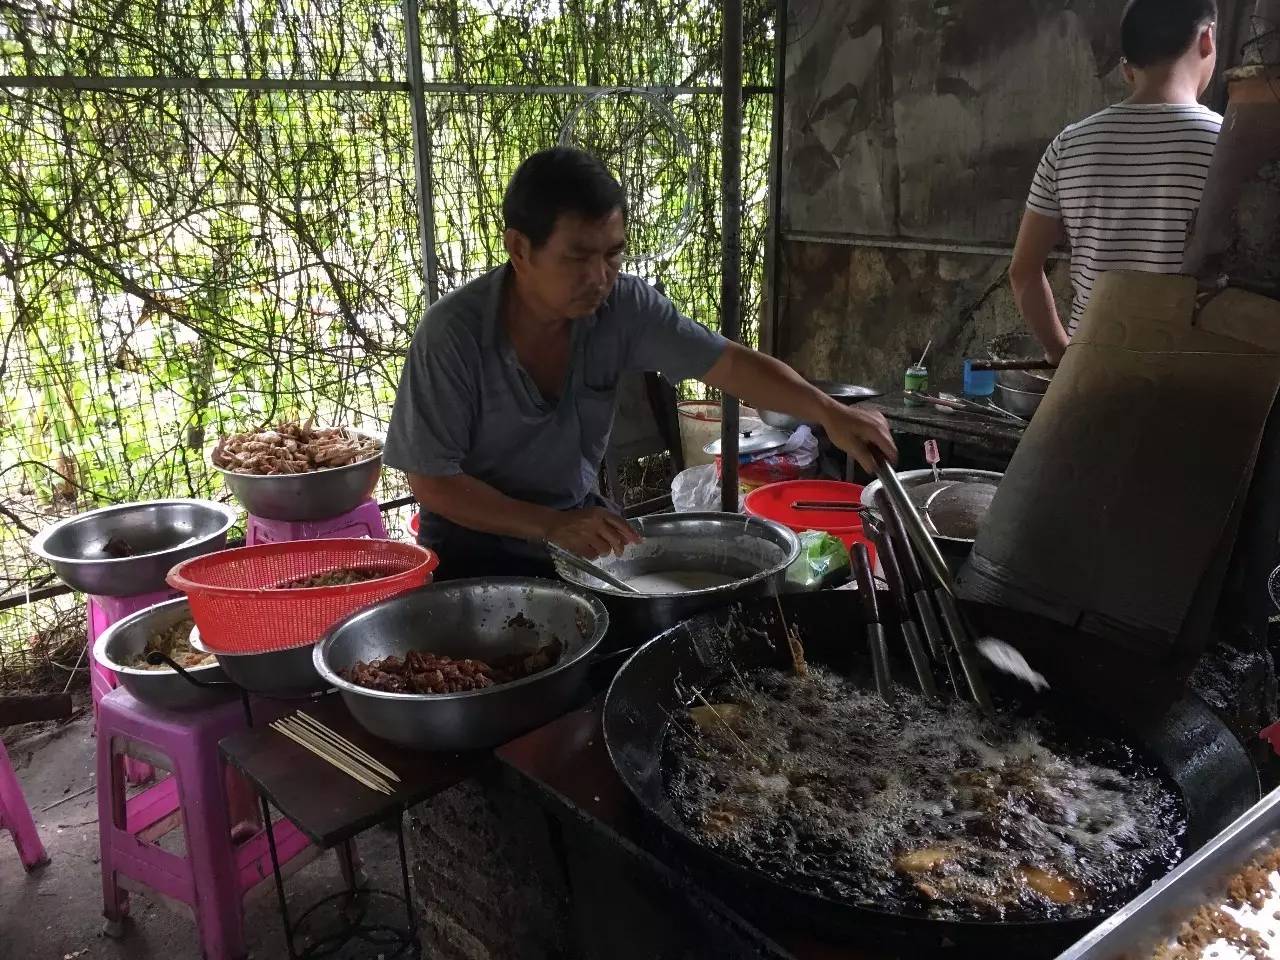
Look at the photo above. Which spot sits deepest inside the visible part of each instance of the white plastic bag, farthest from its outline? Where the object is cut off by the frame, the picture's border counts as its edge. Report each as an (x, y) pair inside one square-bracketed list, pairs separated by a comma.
[(697, 488)]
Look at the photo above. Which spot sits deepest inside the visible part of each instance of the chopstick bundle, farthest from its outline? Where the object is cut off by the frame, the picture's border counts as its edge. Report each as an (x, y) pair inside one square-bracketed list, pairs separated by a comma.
[(336, 750)]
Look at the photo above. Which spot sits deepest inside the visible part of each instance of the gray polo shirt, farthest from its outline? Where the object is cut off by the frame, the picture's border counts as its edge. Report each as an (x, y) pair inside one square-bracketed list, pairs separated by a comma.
[(466, 406)]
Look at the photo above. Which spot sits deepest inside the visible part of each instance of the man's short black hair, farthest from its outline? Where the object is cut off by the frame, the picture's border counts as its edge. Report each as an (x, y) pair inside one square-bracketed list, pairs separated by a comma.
[(556, 181), (1154, 32)]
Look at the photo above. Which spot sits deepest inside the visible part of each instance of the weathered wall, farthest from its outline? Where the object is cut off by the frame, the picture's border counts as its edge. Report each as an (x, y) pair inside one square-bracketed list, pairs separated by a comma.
[(911, 131)]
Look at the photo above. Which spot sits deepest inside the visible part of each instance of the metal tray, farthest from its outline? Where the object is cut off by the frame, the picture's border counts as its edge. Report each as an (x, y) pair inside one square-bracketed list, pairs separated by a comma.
[(1154, 917)]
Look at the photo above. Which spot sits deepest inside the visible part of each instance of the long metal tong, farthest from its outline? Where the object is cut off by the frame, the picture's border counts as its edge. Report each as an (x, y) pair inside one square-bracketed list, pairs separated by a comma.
[(905, 517)]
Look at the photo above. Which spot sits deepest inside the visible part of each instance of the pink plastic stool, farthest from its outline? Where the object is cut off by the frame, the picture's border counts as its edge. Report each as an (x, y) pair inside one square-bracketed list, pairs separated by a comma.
[(216, 871), (364, 521), (103, 612), (15, 816)]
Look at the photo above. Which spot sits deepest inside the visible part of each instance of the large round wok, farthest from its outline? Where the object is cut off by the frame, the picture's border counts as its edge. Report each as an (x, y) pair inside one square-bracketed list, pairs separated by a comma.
[(1174, 730)]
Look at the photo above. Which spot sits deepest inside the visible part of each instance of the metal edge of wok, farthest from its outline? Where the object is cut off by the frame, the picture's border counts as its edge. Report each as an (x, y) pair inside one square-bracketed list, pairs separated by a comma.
[(1182, 736)]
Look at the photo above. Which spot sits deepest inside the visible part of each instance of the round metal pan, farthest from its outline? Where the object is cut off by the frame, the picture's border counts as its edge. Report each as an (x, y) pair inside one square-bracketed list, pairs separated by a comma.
[(1175, 731)]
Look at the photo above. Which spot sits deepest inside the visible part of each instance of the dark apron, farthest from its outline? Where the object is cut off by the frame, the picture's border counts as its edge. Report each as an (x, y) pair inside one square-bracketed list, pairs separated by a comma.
[(466, 554)]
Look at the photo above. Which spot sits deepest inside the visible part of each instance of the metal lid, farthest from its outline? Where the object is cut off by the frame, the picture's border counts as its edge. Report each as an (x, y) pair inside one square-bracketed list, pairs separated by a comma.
[(752, 440)]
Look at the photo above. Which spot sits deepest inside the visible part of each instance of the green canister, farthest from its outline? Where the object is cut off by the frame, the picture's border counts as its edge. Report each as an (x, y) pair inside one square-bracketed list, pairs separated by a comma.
[(916, 379)]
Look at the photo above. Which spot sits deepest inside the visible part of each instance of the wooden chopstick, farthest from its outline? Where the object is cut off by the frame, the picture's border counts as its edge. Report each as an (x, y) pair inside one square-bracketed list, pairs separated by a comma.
[(317, 747), (340, 753), (346, 745)]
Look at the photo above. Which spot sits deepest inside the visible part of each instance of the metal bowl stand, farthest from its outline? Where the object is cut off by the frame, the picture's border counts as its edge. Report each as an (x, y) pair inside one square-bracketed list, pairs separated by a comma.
[(352, 903)]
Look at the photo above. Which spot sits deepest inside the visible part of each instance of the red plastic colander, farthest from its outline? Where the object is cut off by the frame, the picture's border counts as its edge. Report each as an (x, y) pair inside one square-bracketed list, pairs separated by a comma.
[(235, 605)]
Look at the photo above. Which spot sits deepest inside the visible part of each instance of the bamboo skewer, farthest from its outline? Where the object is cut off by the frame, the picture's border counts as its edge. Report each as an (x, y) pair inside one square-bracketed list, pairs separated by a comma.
[(325, 752), (346, 745)]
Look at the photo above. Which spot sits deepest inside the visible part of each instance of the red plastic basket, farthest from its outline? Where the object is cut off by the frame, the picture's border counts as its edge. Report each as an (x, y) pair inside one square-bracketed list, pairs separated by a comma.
[(238, 611)]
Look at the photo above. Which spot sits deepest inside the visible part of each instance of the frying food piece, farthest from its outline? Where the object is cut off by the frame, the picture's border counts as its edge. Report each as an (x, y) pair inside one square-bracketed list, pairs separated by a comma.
[(1050, 885), (333, 578), (714, 716), (173, 642), (422, 672), (924, 860), (292, 448)]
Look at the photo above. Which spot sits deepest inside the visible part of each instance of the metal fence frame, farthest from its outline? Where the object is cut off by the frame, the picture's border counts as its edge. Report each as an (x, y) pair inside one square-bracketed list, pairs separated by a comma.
[(418, 89)]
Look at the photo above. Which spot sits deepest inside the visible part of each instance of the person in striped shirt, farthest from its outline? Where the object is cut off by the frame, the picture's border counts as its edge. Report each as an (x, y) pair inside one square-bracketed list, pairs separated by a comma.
[(1122, 186)]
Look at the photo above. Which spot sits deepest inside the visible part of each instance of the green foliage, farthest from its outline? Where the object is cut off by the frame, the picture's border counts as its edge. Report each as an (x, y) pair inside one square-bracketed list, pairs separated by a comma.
[(181, 261)]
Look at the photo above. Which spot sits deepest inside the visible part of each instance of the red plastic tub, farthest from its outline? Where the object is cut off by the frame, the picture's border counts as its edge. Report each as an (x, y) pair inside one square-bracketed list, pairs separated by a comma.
[(239, 609), (774, 503)]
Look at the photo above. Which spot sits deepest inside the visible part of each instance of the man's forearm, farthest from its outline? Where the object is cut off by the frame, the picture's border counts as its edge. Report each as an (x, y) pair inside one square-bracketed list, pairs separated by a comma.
[(1034, 298), (768, 384), (476, 505)]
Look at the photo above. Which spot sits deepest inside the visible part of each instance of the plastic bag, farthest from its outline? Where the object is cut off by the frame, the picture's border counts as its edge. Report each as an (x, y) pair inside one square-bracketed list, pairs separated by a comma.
[(794, 461), (823, 559), (698, 488)]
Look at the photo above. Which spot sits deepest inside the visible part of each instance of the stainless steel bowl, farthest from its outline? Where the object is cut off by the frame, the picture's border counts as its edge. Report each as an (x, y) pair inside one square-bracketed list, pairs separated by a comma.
[(164, 687), (846, 393), (1022, 402), (280, 673), (953, 547), (467, 618), (162, 532), (1020, 346), (316, 495), (754, 551)]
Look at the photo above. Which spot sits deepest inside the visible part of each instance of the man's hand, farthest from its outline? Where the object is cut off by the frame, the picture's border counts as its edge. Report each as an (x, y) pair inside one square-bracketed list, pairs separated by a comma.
[(591, 532), (861, 432)]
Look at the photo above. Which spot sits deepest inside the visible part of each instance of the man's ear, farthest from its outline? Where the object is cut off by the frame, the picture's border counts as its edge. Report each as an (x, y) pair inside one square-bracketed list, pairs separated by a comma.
[(518, 246), (1208, 43)]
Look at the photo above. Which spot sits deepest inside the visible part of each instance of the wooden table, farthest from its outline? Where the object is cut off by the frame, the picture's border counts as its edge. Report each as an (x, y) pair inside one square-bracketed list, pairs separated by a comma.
[(954, 425), (326, 804), (331, 808)]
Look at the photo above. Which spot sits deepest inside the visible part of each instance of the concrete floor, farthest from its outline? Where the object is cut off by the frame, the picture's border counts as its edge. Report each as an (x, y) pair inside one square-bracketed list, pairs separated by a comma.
[(55, 912)]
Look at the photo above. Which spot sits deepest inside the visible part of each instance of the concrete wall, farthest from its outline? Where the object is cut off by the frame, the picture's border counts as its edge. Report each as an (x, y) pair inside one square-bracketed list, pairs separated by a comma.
[(911, 131)]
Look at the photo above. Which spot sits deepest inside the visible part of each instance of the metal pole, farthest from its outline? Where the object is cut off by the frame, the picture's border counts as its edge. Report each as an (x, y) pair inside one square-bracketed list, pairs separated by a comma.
[(422, 169), (731, 234), (773, 262)]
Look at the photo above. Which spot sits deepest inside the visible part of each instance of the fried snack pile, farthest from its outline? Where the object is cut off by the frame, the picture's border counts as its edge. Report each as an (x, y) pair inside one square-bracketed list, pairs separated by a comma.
[(293, 448)]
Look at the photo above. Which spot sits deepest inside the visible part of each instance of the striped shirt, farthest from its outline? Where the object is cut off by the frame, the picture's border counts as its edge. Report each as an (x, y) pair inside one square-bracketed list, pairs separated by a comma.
[(1126, 183)]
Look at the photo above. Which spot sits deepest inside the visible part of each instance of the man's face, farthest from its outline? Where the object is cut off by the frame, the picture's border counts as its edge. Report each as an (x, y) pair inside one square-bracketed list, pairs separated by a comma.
[(575, 269)]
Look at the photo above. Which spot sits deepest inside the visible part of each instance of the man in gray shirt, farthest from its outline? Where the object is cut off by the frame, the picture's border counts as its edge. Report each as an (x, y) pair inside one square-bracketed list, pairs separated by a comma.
[(507, 396)]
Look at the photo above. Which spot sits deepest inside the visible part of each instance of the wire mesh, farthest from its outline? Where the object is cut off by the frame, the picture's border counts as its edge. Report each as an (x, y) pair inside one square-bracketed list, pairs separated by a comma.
[(179, 260)]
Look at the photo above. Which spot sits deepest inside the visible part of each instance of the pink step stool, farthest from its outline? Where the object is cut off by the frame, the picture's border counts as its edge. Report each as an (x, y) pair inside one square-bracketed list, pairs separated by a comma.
[(15, 816), (364, 521), (103, 612), (216, 872)]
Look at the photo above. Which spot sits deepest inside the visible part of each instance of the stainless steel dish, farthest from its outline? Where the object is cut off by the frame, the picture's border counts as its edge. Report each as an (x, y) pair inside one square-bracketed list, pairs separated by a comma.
[(846, 393), (954, 547), (165, 688), (280, 673), (467, 618), (162, 533), (316, 495), (1019, 346), (1201, 880), (756, 552), (1022, 402)]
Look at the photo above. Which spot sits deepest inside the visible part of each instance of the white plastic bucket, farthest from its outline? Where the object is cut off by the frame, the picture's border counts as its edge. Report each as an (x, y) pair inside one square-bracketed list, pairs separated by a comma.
[(699, 425)]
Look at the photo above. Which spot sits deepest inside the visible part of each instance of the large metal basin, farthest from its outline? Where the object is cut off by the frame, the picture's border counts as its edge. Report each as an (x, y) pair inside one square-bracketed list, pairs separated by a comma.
[(755, 551), (317, 495), (467, 618), (162, 533), (846, 393), (286, 674), (165, 688)]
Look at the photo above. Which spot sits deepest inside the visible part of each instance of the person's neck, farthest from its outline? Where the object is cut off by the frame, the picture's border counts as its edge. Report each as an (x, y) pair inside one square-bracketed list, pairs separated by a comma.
[(1170, 84), (527, 315)]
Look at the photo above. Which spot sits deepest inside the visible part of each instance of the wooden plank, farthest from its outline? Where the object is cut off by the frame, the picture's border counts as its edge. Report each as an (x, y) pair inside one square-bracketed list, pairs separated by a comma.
[(28, 709)]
